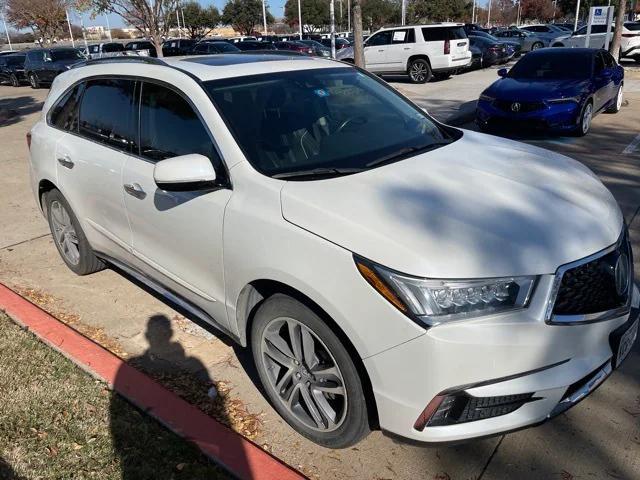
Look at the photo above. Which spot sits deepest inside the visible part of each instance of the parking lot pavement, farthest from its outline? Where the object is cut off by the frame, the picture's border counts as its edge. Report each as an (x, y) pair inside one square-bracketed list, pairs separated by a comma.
[(598, 439)]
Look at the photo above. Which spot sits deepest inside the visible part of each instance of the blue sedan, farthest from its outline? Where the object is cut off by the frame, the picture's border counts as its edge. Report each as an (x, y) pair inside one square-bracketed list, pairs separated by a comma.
[(558, 89)]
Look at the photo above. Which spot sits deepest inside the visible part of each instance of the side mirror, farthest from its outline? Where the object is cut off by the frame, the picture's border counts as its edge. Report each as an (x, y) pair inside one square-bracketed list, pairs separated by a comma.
[(503, 72), (185, 173)]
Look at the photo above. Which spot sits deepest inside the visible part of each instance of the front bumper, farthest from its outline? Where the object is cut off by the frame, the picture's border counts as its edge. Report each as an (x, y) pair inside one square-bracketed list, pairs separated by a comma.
[(503, 356), (560, 117)]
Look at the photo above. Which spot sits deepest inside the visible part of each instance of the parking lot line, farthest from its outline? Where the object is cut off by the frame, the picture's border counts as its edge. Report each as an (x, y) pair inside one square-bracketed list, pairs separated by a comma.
[(632, 147), (240, 456)]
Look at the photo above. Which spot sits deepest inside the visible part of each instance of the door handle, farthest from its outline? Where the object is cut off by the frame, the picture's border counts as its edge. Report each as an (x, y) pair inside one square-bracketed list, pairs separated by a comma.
[(135, 190), (66, 162), (407, 48), (381, 50)]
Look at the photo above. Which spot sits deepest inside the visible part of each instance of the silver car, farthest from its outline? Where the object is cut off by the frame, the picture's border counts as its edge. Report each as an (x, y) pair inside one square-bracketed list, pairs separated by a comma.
[(546, 33), (527, 40)]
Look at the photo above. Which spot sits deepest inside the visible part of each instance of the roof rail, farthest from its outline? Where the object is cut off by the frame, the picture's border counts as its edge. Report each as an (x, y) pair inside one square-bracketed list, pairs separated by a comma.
[(120, 59)]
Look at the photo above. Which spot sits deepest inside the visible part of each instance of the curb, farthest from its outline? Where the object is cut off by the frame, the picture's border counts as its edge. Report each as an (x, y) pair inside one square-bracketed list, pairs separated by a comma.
[(239, 456)]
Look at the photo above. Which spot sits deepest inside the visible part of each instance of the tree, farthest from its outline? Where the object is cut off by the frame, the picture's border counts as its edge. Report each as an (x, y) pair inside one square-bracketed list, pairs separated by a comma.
[(541, 10), (376, 13), (151, 17), (614, 48), (437, 10), (45, 18), (315, 14), (358, 47), (244, 15), (198, 21)]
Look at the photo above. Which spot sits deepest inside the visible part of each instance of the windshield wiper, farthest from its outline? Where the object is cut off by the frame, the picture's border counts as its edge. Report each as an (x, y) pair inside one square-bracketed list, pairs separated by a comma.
[(316, 173), (405, 151)]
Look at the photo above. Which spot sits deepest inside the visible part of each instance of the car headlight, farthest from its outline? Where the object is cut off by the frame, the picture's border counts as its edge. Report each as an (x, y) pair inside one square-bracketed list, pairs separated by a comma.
[(486, 98), (565, 100), (433, 302)]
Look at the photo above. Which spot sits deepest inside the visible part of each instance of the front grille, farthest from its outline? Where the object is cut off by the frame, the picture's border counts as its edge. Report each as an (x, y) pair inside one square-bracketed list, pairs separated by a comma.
[(591, 287), (524, 107)]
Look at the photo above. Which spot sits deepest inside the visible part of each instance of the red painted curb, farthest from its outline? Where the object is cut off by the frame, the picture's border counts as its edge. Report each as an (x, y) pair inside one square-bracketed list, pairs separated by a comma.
[(231, 450)]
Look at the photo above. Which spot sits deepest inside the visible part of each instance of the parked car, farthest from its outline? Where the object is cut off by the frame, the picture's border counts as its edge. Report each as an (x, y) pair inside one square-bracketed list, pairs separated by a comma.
[(421, 52), (142, 47), (7, 52), (294, 46), (555, 89), (212, 47), (493, 52), (244, 38), (178, 46), (383, 269), (545, 32), (109, 49), (629, 40), (340, 43), (319, 50), (514, 48), (476, 58), (251, 45), (42, 65), (527, 40), (12, 69)]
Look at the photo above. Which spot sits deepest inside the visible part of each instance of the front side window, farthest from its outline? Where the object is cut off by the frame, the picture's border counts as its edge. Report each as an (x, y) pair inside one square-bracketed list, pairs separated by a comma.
[(169, 126), (553, 66), (336, 119), (66, 55), (381, 38), (107, 113), (64, 114)]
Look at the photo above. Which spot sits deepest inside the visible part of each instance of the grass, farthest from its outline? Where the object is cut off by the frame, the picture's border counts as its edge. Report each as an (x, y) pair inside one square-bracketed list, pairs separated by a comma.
[(57, 422)]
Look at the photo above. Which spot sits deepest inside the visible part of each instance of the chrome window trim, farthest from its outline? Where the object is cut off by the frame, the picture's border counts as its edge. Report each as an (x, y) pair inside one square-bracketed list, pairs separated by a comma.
[(552, 319)]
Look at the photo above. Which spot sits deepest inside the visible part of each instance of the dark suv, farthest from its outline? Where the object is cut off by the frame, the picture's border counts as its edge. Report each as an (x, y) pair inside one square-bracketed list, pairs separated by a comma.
[(12, 69), (141, 46), (44, 64), (179, 46)]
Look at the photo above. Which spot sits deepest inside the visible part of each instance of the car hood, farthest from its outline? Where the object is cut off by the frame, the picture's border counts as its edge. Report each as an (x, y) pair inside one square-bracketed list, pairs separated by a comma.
[(480, 207), (527, 90)]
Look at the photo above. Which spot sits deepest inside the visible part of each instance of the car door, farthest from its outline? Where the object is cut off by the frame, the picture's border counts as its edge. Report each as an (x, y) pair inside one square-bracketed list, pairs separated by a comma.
[(400, 49), (177, 236), (375, 51), (90, 159), (604, 82)]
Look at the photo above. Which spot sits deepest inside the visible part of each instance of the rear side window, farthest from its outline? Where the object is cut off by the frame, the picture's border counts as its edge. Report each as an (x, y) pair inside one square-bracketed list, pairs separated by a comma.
[(106, 112), (64, 114), (439, 34), (169, 126), (112, 47), (403, 36)]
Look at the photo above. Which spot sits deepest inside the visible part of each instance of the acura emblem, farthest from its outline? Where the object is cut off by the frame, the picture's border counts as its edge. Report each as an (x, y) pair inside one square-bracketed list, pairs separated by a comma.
[(515, 107), (621, 273)]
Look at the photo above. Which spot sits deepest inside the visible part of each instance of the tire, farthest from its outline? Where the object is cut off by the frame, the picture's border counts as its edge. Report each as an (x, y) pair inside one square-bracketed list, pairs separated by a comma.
[(585, 123), (536, 46), (33, 81), (617, 104), (287, 388), (419, 71), (14, 80), (67, 234)]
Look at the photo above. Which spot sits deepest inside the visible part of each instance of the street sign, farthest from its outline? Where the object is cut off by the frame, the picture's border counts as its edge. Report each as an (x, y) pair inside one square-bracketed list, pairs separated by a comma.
[(599, 15)]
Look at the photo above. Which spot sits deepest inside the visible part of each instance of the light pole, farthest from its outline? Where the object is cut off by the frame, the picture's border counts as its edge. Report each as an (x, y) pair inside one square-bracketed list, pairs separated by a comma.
[(300, 19), (184, 25), (473, 12), (6, 30), (575, 25), (108, 27), (404, 12), (264, 16), (333, 29), (349, 15), (519, 10), (73, 44), (489, 15)]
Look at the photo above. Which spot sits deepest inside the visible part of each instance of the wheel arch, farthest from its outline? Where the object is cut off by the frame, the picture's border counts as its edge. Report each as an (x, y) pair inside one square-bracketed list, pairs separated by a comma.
[(44, 186), (256, 292), (420, 56)]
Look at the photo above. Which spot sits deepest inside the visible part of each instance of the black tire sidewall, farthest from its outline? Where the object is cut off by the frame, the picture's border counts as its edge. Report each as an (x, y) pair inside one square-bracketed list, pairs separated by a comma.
[(14, 81), (429, 74), (35, 83), (88, 263), (356, 424)]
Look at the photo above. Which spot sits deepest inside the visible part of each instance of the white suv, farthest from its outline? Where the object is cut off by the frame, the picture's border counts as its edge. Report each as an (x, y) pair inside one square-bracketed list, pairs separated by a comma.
[(629, 39), (421, 51), (384, 269)]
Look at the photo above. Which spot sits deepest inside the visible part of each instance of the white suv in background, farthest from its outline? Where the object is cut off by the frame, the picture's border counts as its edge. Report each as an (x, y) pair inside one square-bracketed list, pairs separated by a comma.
[(384, 269), (629, 39), (420, 51)]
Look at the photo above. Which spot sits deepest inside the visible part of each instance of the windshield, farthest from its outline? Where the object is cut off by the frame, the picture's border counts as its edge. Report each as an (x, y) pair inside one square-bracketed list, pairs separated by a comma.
[(226, 47), (553, 66), (66, 55), (634, 27), (336, 119)]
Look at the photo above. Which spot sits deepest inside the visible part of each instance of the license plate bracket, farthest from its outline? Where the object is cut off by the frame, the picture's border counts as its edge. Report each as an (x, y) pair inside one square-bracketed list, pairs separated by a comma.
[(622, 340)]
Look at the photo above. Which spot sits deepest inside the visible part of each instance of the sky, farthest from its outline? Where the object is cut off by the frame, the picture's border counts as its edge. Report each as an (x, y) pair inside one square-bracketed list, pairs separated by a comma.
[(275, 6)]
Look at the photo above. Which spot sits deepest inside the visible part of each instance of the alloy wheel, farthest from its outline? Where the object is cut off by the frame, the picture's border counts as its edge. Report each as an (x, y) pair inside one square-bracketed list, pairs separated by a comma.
[(619, 98), (536, 46), (418, 72), (32, 81), (64, 234), (304, 374), (587, 116), (14, 81)]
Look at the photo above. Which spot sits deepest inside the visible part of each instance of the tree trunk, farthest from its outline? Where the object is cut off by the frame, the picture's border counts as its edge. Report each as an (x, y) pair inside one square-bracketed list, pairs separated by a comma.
[(157, 42), (358, 47), (614, 48)]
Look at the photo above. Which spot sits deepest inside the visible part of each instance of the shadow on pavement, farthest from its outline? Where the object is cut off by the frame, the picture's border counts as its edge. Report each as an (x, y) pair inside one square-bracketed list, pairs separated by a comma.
[(13, 110), (7, 472)]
